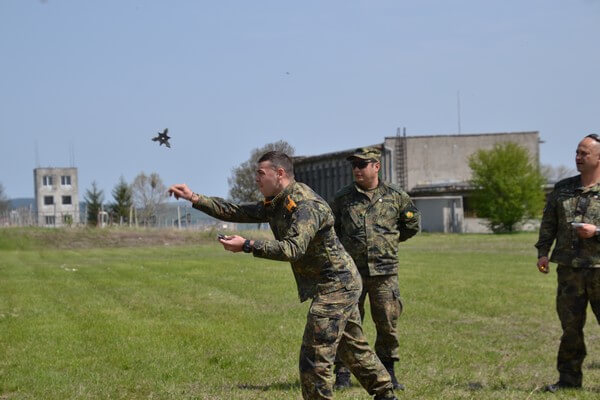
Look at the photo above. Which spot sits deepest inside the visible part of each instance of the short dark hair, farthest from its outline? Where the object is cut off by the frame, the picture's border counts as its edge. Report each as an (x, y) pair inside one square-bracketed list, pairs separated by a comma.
[(594, 136), (279, 160)]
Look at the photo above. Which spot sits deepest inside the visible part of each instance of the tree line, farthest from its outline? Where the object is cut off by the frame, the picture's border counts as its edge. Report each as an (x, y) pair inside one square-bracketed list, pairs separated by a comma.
[(140, 201), (507, 188)]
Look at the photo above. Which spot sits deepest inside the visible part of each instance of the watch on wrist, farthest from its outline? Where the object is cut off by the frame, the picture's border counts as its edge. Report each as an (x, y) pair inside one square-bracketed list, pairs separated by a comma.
[(247, 247), (597, 233)]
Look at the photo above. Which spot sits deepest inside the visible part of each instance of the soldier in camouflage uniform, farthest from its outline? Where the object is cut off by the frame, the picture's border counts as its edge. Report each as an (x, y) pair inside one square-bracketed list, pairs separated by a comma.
[(572, 219), (371, 218), (302, 224)]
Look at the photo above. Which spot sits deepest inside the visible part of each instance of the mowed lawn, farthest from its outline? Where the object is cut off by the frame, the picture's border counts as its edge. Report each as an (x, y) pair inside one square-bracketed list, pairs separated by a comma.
[(196, 322)]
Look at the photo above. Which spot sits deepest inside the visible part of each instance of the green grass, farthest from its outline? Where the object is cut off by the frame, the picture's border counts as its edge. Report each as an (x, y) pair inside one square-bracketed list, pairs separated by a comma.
[(196, 322)]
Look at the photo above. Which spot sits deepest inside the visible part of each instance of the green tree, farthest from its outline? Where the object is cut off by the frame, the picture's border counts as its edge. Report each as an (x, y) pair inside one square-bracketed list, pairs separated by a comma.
[(149, 196), (508, 186), (3, 200), (242, 185), (122, 201), (553, 174), (93, 199)]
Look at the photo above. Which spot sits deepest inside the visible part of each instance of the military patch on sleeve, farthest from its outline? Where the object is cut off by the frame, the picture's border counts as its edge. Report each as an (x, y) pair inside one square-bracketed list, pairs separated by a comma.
[(410, 211), (290, 204)]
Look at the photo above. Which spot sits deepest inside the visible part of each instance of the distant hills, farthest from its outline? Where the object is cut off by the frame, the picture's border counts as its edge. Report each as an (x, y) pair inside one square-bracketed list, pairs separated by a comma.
[(21, 202)]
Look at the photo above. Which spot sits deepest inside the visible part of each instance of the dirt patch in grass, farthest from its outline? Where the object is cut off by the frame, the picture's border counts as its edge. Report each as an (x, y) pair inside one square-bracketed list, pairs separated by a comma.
[(78, 238)]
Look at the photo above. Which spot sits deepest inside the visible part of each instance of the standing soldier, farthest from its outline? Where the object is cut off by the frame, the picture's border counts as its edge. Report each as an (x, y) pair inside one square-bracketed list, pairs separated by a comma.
[(572, 218), (371, 217), (302, 224)]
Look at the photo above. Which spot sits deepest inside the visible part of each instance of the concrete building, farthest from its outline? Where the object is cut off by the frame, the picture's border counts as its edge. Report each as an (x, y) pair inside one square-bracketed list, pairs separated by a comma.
[(56, 196), (441, 214), (424, 166)]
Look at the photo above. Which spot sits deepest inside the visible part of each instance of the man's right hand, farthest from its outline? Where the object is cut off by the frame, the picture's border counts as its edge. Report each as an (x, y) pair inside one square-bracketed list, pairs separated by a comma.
[(180, 190), (542, 264)]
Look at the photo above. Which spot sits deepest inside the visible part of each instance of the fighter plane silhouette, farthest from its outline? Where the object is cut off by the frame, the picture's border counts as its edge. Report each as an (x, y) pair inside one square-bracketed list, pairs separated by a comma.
[(162, 138)]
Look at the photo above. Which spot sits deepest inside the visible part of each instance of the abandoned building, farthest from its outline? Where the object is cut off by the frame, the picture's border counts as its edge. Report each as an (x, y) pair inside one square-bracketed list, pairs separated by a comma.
[(56, 196), (433, 169)]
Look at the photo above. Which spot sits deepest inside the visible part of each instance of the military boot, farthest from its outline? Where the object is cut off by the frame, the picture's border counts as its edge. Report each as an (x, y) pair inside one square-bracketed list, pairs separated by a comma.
[(389, 366), (555, 387), (387, 396), (342, 377)]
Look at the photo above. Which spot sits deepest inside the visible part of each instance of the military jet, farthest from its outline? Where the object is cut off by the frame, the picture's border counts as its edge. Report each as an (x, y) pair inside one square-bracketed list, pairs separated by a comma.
[(162, 138)]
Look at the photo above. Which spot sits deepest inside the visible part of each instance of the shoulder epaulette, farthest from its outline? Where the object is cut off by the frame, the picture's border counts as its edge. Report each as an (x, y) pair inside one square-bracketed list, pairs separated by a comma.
[(344, 191), (395, 187), (571, 181)]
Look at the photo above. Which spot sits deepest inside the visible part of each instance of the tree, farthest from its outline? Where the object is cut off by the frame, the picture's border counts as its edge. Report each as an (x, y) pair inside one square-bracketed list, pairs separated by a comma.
[(3, 200), (122, 201), (149, 196), (242, 185), (554, 174), (93, 199), (508, 186)]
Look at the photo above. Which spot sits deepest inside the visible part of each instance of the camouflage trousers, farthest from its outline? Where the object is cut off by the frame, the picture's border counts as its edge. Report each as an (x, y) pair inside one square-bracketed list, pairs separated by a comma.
[(333, 327), (386, 307), (576, 287)]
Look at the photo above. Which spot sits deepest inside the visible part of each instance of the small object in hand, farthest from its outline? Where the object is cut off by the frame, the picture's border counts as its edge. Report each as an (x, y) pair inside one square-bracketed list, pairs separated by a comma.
[(220, 236), (577, 224)]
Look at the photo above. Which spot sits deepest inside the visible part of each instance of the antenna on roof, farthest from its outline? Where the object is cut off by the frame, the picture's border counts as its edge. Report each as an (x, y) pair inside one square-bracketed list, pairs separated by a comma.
[(458, 110), (37, 154), (71, 155)]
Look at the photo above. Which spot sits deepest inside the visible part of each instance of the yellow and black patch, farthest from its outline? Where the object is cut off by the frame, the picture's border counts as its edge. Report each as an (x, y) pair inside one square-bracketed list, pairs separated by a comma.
[(410, 211), (290, 204)]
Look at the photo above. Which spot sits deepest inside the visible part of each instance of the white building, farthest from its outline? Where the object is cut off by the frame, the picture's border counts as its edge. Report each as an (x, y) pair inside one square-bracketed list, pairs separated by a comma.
[(56, 196)]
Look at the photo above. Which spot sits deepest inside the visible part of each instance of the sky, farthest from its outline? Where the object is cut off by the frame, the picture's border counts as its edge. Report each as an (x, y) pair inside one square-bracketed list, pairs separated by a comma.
[(89, 83)]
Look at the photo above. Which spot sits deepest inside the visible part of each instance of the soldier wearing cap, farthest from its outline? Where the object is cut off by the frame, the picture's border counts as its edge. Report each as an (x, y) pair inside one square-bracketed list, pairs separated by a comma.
[(371, 218), (571, 221), (303, 227)]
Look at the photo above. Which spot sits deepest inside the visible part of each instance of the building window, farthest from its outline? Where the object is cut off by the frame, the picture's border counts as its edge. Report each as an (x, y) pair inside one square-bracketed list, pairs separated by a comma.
[(47, 180), (65, 180), (66, 200), (50, 219), (48, 200)]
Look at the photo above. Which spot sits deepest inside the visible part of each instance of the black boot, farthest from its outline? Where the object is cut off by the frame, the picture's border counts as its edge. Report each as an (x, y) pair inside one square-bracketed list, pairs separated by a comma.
[(389, 366), (385, 397), (555, 387), (342, 377)]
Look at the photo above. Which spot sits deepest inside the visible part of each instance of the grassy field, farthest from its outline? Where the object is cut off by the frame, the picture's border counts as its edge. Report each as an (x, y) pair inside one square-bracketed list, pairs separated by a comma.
[(171, 319)]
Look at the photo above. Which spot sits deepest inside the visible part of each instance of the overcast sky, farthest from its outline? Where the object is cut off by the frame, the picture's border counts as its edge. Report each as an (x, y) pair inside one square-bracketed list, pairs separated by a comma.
[(103, 77)]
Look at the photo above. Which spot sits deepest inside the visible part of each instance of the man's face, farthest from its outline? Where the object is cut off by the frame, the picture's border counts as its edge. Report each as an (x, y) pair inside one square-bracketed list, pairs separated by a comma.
[(365, 172), (587, 156), (267, 179)]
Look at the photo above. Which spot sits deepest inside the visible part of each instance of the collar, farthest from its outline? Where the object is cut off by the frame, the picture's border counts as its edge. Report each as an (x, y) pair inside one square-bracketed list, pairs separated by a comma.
[(275, 200), (595, 188), (375, 190)]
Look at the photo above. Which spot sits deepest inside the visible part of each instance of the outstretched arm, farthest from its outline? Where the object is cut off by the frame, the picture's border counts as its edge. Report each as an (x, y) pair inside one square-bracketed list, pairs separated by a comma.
[(220, 208)]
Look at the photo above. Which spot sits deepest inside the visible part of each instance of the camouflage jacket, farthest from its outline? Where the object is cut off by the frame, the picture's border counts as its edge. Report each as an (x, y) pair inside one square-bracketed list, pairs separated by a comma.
[(570, 202), (302, 224), (370, 229)]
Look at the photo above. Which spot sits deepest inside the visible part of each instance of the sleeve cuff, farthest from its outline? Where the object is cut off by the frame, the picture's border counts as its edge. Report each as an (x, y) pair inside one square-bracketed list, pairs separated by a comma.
[(258, 249)]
